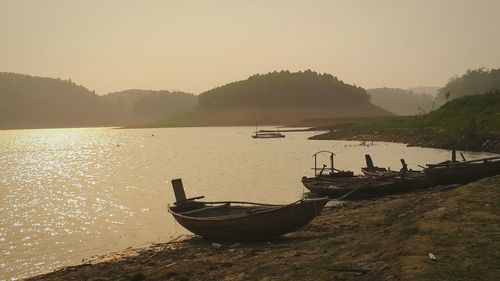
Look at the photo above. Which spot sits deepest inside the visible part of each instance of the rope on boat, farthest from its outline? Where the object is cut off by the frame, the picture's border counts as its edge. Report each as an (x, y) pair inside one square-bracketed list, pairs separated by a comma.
[(175, 221)]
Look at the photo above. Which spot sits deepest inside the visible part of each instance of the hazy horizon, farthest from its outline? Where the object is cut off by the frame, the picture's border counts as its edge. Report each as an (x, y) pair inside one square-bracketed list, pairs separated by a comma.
[(195, 46)]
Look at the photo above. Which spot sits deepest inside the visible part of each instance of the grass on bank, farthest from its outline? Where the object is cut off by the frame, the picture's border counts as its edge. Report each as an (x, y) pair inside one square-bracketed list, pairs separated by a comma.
[(461, 118)]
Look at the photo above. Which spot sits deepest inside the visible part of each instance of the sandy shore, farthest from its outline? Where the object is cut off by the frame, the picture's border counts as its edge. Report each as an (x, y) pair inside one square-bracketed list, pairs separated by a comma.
[(384, 239)]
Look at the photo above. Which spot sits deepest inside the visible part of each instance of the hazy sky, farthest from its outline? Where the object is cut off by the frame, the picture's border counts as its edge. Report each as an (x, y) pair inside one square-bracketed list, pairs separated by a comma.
[(197, 45)]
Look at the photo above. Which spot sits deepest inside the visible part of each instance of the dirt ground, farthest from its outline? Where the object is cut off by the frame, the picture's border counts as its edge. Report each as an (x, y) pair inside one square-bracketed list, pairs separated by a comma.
[(391, 238)]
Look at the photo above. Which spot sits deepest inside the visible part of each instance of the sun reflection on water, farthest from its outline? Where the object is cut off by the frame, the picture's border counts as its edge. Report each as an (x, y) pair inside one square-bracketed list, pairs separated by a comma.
[(52, 185)]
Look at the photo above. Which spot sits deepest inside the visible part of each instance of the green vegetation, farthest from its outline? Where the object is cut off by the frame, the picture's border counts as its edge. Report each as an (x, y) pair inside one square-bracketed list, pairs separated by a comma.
[(466, 114), (473, 82), (468, 123)]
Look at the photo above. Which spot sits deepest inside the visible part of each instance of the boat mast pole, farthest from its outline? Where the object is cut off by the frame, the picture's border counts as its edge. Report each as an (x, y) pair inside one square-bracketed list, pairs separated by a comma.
[(331, 163), (315, 166)]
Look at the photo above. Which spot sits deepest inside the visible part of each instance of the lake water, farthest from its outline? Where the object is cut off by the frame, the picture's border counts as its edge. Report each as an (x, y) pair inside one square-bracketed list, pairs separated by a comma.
[(69, 194)]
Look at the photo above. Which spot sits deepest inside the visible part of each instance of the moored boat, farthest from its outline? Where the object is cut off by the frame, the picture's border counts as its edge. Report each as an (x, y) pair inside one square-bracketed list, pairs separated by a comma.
[(350, 186), (259, 134), (459, 172), (267, 135), (373, 171), (365, 187), (234, 220)]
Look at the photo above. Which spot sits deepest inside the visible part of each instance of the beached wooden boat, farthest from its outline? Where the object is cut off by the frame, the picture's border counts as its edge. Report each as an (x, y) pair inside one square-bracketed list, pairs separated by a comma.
[(458, 172), (362, 187), (232, 220), (331, 172), (373, 171), (350, 186)]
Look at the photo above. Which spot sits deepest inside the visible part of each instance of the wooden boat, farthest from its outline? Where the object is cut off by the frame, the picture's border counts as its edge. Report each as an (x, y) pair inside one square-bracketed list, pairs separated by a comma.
[(459, 172), (373, 171), (267, 135), (326, 172), (348, 185), (233, 220), (365, 187)]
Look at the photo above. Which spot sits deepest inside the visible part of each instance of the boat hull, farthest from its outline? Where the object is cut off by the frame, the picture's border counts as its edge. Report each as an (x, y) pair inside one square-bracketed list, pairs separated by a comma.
[(460, 172), (267, 136), (256, 226), (365, 188)]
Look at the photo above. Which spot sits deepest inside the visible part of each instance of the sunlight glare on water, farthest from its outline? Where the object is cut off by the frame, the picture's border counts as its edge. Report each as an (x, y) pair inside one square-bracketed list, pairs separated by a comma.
[(69, 194)]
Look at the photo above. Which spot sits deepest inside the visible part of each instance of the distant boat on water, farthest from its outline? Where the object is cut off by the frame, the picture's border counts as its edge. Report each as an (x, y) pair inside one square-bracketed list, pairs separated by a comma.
[(267, 134)]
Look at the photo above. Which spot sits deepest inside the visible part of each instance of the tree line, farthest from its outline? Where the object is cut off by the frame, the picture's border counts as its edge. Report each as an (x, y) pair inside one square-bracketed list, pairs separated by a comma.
[(473, 82)]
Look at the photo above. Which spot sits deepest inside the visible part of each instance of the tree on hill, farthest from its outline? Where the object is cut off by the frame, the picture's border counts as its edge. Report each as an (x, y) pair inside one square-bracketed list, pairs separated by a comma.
[(282, 89), (473, 82)]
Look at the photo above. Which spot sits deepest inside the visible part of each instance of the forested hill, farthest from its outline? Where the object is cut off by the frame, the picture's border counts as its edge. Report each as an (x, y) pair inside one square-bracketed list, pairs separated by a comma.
[(473, 82), (39, 102), (278, 98), (285, 89)]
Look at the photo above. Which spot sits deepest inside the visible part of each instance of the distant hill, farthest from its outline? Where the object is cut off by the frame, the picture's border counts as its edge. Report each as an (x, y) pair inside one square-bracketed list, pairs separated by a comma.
[(145, 106), (402, 102), (473, 82), (39, 102), (284, 89), (277, 98), (433, 91)]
